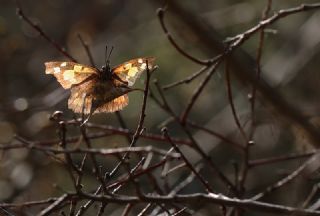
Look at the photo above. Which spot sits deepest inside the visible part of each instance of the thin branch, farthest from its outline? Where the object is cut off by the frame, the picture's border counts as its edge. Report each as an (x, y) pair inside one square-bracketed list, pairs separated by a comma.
[(245, 71), (198, 91), (230, 98), (188, 164), (51, 208), (283, 181), (87, 49), (58, 47), (160, 13), (86, 206), (212, 198), (258, 60), (195, 145), (138, 131), (215, 134), (110, 130), (239, 39), (101, 151), (270, 160)]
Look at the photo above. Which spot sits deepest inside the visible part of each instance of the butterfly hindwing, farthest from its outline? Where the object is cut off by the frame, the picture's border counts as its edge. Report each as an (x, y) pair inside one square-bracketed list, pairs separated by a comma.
[(131, 70), (81, 97), (95, 96), (114, 105), (69, 73)]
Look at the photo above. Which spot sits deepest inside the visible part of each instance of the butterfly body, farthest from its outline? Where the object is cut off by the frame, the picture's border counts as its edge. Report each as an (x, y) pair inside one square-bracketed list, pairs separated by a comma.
[(94, 90)]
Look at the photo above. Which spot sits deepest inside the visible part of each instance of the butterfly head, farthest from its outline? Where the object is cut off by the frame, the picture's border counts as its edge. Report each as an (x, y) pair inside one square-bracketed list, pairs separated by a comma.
[(106, 71)]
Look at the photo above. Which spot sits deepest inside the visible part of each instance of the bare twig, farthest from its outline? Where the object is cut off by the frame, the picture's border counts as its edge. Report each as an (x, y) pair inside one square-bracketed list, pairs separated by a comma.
[(87, 49), (233, 109), (51, 208), (188, 164), (58, 47), (212, 198), (160, 13), (266, 161), (138, 131), (283, 181), (198, 91)]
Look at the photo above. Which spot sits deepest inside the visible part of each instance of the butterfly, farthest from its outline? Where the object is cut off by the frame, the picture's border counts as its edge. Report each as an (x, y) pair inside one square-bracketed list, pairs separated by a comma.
[(96, 90)]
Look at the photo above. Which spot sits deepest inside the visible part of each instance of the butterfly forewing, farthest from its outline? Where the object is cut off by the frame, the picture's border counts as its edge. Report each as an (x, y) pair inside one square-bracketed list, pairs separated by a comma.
[(69, 73), (131, 70)]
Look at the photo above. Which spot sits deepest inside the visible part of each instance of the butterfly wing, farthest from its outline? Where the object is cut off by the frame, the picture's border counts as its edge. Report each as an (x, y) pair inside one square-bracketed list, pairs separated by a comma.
[(114, 105), (70, 73), (96, 96), (82, 97), (131, 70)]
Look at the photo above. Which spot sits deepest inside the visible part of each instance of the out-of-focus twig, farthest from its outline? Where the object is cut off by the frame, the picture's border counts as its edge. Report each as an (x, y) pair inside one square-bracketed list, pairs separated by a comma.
[(58, 47)]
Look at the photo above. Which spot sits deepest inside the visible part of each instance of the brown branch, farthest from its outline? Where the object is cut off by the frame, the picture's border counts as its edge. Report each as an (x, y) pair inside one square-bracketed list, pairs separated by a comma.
[(85, 207), (165, 106), (110, 130), (283, 181), (230, 98), (198, 91), (126, 132), (258, 60), (58, 47), (209, 161), (212, 198), (127, 209), (100, 151), (215, 134), (241, 38), (51, 208), (186, 80), (30, 203), (276, 159), (160, 13), (138, 131), (188, 164), (244, 63), (87, 49)]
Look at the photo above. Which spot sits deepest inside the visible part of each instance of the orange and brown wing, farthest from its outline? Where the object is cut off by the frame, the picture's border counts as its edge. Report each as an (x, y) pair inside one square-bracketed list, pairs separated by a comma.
[(131, 70), (81, 97), (69, 73), (94, 96), (115, 105), (79, 103)]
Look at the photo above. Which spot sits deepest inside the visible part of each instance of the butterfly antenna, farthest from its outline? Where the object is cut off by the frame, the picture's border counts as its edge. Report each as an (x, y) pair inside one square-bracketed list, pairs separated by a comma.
[(105, 55), (108, 59)]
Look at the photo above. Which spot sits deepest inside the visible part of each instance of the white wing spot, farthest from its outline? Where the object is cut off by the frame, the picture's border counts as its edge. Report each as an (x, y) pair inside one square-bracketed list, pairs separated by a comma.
[(63, 64), (56, 70), (133, 71), (69, 76), (140, 60), (143, 66)]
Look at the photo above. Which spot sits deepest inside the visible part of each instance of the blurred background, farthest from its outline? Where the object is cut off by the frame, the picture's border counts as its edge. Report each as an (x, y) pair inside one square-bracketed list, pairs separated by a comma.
[(290, 63)]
